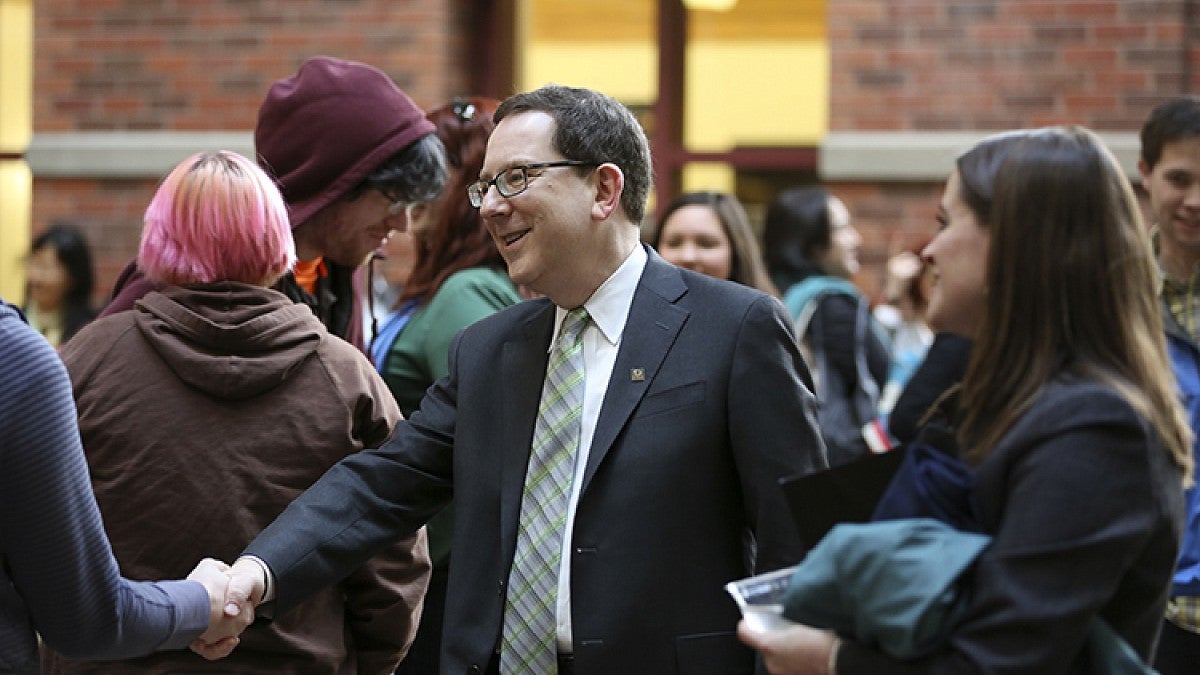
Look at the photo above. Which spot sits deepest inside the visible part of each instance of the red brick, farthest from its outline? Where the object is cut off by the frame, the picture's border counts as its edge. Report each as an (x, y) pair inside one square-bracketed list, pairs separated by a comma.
[(896, 65)]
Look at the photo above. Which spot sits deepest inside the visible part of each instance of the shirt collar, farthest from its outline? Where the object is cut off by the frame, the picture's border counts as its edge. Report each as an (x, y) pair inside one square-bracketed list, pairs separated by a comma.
[(609, 305), (1170, 283)]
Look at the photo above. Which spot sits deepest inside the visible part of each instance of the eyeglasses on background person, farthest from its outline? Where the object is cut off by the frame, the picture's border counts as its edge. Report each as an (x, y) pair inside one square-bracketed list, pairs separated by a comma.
[(398, 204)]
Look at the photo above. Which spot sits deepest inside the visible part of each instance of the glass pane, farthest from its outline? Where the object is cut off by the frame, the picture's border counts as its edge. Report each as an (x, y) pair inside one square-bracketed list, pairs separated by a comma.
[(608, 45), (757, 75)]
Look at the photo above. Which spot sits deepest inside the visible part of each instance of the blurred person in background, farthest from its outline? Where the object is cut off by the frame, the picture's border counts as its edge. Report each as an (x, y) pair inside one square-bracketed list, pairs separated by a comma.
[(1170, 169), (812, 254), (709, 232), (59, 281), (902, 315), (387, 271)]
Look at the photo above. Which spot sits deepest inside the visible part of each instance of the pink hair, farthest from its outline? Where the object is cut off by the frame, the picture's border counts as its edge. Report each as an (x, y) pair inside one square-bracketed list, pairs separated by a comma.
[(216, 217)]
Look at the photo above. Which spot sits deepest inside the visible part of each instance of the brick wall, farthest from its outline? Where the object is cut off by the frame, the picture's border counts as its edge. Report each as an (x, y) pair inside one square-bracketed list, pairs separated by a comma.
[(204, 65), (965, 65), (897, 65), (951, 64)]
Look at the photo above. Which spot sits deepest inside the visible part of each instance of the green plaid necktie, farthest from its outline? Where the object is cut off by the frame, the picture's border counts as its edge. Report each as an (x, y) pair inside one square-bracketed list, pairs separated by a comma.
[(529, 615)]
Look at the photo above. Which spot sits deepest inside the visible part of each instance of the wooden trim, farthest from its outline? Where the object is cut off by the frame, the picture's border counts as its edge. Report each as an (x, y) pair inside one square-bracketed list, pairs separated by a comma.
[(667, 142)]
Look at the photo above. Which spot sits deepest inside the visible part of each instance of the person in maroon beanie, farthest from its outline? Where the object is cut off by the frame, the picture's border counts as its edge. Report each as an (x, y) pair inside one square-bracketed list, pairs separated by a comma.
[(350, 152)]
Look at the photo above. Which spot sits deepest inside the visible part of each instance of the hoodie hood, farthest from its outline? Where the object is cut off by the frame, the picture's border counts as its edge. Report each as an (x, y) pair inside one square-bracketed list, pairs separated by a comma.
[(229, 340)]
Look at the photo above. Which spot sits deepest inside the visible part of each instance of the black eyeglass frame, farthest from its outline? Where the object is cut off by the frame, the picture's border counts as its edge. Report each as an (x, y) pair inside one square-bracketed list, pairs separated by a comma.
[(397, 206), (478, 190)]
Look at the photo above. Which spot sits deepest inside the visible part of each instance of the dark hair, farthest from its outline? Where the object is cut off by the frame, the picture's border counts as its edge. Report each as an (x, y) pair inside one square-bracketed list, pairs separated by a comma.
[(593, 127), (747, 266), (979, 167), (1169, 122), (458, 239), (415, 174), (73, 252), (1070, 285), (798, 228)]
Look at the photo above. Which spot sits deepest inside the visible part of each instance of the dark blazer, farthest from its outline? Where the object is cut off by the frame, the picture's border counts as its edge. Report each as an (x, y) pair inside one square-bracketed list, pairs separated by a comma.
[(1085, 510), (682, 470)]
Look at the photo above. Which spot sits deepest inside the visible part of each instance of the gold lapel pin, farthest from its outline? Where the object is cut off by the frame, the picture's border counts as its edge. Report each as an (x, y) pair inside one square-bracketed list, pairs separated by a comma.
[(637, 374)]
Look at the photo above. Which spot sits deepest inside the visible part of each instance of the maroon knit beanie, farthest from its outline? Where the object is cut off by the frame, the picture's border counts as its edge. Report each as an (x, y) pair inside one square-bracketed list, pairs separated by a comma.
[(322, 131)]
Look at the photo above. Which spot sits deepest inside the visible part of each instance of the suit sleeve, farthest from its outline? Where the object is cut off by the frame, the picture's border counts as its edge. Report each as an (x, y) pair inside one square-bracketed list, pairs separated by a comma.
[(364, 503), (773, 428)]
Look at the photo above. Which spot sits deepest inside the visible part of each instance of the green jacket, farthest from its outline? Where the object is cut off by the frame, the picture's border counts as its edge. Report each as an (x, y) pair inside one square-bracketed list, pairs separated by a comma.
[(419, 355)]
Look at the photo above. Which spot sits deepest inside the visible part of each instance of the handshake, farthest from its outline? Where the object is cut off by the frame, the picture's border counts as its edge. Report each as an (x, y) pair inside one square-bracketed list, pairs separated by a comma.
[(233, 593)]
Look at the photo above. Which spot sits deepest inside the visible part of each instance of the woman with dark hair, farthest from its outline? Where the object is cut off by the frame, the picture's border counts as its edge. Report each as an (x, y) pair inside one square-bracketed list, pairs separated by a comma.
[(1067, 417), (812, 252), (709, 232), (457, 279), (59, 282)]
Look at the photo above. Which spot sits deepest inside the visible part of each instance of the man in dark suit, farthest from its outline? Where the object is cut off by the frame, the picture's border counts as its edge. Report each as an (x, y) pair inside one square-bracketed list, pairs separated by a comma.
[(692, 405)]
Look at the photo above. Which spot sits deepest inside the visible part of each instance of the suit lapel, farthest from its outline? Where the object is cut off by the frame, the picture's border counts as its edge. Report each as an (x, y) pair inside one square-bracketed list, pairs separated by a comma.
[(522, 371), (653, 324)]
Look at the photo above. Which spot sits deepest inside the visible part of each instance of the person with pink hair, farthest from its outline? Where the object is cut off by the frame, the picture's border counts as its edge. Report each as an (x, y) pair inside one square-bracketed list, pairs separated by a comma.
[(219, 366), (350, 152)]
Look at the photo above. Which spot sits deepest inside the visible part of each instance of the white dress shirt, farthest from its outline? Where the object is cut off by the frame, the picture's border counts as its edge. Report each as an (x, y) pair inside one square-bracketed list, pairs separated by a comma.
[(609, 308)]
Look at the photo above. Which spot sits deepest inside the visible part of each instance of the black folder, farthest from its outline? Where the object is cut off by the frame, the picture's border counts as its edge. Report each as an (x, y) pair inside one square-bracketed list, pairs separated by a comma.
[(846, 493)]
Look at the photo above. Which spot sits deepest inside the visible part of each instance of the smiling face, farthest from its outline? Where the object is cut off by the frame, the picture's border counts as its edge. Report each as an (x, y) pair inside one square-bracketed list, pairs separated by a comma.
[(1174, 188), (347, 232), (692, 237), (841, 258), (547, 233), (957, 258), (47, 279)]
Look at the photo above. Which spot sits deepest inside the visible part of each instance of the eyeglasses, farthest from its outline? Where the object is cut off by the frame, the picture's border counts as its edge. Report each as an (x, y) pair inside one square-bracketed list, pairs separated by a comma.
[(514, 180), (397, 205), (463, 110)]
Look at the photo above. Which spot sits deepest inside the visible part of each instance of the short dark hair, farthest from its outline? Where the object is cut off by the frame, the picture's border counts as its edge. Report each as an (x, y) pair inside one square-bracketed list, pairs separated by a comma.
[(415, 174), (797, 228), (1169, 122), (593, 127)]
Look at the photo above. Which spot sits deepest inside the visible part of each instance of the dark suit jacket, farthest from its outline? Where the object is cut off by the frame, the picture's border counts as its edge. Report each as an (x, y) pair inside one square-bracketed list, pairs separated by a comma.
[(682, 470), (1085, 511)]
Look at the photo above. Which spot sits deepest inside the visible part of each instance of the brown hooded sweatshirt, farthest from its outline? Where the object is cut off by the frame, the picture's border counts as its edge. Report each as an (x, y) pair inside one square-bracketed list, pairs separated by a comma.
[(204, 412)]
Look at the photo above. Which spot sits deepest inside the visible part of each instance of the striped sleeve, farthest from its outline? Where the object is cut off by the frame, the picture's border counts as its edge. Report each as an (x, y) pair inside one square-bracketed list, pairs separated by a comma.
[(54, 545)]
